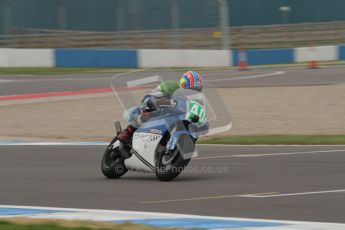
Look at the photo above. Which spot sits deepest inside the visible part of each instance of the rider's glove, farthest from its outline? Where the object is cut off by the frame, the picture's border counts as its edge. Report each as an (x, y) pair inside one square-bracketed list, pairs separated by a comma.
[(144, 116)]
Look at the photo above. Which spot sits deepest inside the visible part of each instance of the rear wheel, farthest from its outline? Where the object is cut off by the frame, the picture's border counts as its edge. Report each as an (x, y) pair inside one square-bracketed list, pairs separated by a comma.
[(112, 165)]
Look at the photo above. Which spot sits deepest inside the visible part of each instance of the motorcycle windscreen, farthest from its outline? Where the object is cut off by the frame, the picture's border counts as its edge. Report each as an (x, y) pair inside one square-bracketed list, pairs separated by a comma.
[(131, 87)]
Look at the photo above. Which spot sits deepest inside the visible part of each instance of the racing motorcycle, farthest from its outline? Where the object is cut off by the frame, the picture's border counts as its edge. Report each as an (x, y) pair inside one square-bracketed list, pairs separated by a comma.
[(164, 144)]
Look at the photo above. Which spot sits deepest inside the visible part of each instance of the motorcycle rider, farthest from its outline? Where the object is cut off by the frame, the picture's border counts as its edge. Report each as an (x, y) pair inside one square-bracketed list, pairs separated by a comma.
[(161, 95)]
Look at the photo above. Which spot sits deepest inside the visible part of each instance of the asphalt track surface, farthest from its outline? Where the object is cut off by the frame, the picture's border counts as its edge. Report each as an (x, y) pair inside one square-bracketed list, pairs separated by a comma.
[(28, 84), (69, 176)]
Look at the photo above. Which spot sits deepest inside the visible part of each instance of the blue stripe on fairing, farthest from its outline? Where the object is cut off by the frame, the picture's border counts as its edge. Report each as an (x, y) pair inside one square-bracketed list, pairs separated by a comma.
[(203, 223), (24, 211)]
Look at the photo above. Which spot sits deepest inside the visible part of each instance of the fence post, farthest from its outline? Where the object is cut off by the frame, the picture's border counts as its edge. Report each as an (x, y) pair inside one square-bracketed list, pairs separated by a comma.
[(224, 23), (62, 21), (7, 17), (134, 13), (120, 15), (175, 24)]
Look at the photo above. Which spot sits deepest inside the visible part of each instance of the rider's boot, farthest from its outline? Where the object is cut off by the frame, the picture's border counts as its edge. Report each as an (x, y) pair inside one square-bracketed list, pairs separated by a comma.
[(124, 138), (126, 134)]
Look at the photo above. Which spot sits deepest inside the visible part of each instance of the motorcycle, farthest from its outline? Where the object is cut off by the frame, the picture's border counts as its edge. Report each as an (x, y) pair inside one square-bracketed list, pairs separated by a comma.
[(165, 143)]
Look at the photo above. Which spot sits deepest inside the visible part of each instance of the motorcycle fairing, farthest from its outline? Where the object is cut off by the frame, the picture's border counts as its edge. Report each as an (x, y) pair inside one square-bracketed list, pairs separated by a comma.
[(144, 148), (145, 141), (180, 140)]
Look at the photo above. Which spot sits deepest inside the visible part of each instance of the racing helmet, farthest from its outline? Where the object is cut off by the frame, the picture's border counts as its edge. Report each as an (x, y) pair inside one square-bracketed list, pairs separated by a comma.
[(191, 80)]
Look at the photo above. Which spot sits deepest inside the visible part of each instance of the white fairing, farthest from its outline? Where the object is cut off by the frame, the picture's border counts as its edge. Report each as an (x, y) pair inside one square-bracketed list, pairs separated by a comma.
[(145, 145), (116, 144)]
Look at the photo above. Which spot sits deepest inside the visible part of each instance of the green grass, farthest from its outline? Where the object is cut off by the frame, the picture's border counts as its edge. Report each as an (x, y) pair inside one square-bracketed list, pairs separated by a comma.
[(53, 70), (12, 225), (278, 140), (4, 225)]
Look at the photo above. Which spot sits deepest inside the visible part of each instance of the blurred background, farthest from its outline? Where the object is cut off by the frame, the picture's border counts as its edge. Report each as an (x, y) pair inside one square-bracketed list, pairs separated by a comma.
[(167, 24)]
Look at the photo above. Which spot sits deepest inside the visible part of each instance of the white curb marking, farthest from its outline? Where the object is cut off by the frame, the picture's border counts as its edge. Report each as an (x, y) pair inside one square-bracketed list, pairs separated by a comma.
[(161, 219), (248, 77), (5, 81), (144, 81), (253, 195), (273, 154), (293, 194)]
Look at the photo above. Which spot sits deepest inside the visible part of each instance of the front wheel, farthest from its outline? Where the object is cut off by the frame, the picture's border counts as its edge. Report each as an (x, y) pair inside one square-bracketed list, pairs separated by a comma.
[(170, 165), (112, 165)]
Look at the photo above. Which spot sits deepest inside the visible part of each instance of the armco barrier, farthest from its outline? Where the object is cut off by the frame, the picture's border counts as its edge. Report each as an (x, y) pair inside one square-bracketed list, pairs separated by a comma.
[(96, 58), (265, 57), (318, 53), (26, 57), (341, 52), (184, 58), (10, 57)]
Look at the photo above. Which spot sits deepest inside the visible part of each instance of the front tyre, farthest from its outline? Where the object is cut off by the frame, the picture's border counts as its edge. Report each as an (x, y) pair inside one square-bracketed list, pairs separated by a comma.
[(170, 165), (112, 165)]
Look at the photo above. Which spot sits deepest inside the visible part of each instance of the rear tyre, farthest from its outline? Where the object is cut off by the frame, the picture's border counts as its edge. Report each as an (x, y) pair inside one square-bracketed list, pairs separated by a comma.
[(112, 165)]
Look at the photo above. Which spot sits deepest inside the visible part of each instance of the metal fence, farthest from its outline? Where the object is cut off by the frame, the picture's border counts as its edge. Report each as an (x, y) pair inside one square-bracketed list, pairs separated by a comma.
[(255, 37), (114, 23), (109, 15), (157, 24)]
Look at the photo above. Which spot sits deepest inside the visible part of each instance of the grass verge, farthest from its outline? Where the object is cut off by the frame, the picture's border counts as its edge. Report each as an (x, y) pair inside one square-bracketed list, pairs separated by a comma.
[(278, 140), (55, 70), (40, 224)]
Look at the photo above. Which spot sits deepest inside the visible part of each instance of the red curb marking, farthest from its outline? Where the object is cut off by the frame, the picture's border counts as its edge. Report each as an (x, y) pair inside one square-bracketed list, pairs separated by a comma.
[(54, 94), (64, 93)]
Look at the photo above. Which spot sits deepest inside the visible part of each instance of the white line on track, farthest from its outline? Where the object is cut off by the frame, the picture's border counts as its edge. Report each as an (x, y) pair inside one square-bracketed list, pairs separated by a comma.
[(5, 81), (293, 194), (254, 195), (265, 145), (247, 77), (272, 154), (203, 198)]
